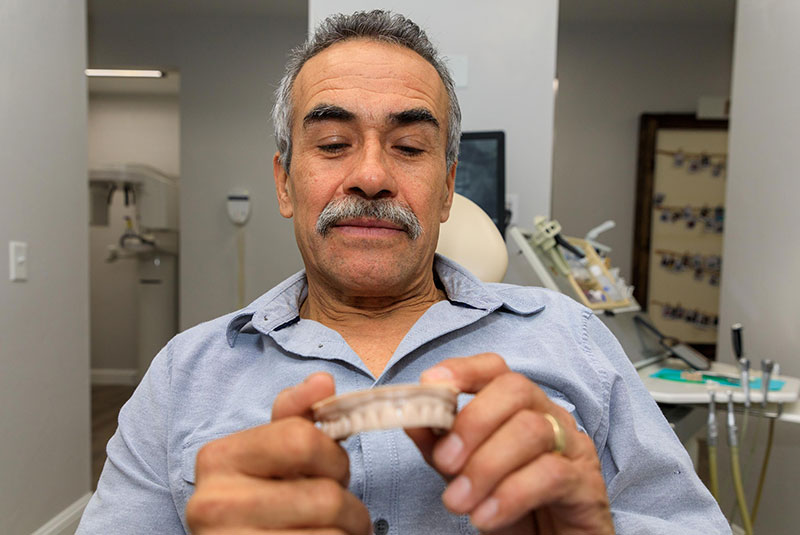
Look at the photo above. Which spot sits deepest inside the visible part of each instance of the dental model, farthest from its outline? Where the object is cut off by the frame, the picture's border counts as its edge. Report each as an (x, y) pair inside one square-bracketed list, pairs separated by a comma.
[(385, 408)]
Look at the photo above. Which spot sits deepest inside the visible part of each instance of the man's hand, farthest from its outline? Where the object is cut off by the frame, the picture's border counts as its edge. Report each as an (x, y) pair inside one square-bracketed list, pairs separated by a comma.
[(500, 455), (283, 477)]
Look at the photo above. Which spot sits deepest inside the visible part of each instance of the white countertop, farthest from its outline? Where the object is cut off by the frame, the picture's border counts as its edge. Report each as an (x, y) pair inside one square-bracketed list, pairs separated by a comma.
[(665, 391)]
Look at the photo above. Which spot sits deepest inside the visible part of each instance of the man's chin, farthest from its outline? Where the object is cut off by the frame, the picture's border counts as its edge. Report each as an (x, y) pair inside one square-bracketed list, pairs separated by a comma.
[(374, 272)]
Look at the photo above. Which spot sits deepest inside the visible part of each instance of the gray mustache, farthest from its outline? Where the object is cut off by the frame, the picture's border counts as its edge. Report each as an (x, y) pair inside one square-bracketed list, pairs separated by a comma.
[(351, 207)]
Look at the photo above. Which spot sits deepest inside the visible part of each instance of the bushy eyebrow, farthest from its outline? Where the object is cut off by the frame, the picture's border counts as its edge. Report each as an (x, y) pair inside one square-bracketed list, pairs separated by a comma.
[(327, 112), (415, 115), (331, 112)]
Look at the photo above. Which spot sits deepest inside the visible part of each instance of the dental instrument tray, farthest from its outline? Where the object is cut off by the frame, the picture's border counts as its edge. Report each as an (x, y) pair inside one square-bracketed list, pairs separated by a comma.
[(573, 267), (591, 279), (685, 376), (674, 382)]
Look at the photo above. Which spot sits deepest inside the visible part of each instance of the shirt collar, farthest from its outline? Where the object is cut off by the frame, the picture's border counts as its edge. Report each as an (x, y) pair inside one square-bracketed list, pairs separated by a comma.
[(281, 305)]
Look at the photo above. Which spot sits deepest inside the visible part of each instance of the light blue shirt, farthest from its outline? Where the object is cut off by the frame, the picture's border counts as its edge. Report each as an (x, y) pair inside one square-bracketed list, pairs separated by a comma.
[(222, 376)]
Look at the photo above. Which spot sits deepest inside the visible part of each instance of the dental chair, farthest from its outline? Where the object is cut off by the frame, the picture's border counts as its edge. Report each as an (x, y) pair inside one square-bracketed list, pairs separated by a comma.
[(471, 238)]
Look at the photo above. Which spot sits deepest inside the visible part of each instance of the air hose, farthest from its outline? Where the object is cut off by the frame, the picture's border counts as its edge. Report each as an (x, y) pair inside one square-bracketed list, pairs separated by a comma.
[(764, 465), (733, 442), (712, 446)]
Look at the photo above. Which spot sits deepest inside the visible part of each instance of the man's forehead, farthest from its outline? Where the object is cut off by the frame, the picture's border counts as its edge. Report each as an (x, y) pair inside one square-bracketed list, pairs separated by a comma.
[(382, 75)]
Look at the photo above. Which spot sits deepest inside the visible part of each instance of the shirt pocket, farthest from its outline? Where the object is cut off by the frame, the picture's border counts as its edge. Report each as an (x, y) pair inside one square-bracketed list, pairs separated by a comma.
[(560, 399), (189, 452)]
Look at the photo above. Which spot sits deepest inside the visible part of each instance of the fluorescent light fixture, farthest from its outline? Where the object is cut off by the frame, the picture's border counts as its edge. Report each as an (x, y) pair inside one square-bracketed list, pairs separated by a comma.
[(125, 73)]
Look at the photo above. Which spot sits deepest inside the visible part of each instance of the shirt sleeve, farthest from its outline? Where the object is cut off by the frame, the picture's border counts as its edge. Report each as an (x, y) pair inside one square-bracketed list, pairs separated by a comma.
[(651, 481), (133, 495)]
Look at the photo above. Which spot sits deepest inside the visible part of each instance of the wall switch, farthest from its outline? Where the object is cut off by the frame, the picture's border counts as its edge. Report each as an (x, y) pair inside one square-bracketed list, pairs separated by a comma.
[(17, 261)]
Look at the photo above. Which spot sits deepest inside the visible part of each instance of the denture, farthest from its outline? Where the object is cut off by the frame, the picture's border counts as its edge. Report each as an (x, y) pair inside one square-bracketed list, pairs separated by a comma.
[(387, 407)]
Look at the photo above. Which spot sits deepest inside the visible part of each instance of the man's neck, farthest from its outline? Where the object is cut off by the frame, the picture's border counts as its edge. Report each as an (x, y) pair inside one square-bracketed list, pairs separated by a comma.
[(373, 325), (334, 308)]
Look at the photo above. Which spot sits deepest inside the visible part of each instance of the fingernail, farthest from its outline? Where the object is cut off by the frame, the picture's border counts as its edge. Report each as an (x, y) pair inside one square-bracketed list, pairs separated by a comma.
[(446, 453), (457, 493), (485, 512), (436, 374)]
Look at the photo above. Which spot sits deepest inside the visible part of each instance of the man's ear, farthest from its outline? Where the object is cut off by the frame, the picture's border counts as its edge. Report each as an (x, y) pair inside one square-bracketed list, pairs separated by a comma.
[(450, 186), (282, 187)]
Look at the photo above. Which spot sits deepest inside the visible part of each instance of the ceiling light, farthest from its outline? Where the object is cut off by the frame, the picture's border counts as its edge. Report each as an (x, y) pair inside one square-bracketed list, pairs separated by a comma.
[(125, 73)]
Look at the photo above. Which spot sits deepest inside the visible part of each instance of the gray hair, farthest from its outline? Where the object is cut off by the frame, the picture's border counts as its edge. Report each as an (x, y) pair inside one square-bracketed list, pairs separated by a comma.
[(352, 207), (376, 25)]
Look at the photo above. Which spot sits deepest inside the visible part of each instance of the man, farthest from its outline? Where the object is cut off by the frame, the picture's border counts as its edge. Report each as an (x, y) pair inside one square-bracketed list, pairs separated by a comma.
[(558, 435)]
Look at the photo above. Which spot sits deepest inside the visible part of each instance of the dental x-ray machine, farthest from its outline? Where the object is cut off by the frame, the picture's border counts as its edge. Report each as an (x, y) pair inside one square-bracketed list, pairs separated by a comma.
[(150, 239)]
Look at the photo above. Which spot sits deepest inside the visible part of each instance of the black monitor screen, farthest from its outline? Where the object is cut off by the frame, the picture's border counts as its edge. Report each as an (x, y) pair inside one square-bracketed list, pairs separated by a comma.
[(481, 173)]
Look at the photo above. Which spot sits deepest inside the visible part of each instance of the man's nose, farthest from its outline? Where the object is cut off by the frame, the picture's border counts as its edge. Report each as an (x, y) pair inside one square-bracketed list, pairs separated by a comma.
[(371, 177)]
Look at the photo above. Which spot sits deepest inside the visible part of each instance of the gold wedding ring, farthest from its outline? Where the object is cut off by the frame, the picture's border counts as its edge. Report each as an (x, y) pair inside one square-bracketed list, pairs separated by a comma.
[(559, 437)]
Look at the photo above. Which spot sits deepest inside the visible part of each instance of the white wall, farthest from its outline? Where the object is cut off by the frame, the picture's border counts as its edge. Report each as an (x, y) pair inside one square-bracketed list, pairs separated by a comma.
[(229, 68), (44, 323), (761, 255), (134, 128), (124, 128), (609, 74), (511, 47)]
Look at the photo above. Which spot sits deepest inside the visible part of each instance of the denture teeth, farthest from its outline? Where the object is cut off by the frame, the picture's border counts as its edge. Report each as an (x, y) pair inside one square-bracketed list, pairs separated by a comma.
[(425, 411), (386, 414), (356, 422), (372, 418), (387, 407)]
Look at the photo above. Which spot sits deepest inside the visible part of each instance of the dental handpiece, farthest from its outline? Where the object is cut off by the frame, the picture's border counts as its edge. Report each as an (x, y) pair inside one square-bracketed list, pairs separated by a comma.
[(736, 334), (713, 432), (744, 363), (745, 367), (733, 440), (767, 366)]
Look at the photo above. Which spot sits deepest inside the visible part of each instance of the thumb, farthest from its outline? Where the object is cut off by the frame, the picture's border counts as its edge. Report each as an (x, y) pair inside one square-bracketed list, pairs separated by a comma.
[(297, 400), (424, 438)]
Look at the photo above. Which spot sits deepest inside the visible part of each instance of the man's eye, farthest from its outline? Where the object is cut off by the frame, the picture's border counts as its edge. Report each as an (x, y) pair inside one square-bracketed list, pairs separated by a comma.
[(333, 148), (410, 151)]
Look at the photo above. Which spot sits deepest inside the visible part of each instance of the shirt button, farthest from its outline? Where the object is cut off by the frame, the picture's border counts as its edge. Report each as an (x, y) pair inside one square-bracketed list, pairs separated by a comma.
[(381, 527)]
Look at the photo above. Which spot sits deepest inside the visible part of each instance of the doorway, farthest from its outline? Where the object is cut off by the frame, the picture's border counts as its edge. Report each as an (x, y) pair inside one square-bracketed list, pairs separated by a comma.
[(134, 169)]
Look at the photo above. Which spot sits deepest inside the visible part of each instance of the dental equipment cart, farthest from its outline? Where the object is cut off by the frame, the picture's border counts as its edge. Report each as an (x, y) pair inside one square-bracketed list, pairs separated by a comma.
[(680, 380)]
